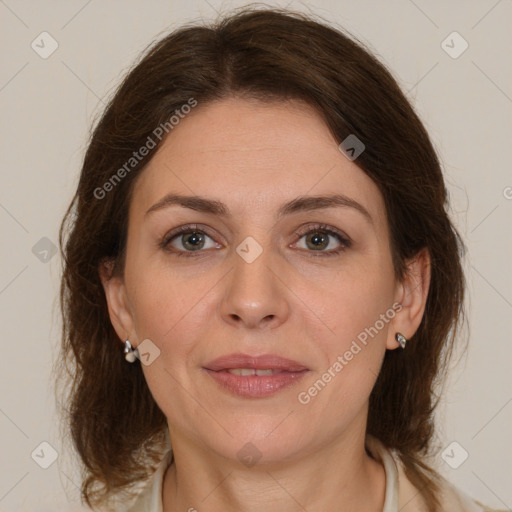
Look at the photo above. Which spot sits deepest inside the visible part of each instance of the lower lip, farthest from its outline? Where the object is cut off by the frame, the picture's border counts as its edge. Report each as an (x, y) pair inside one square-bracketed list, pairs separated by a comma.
[(256, 386)]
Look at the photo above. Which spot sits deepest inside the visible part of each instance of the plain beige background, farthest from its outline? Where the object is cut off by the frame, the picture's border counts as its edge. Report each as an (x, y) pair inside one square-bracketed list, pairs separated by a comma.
[(48, 106)]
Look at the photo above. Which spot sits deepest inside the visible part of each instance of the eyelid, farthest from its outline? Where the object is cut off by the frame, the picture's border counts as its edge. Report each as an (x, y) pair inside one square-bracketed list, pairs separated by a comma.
[(344, 240), (185, 228), (320, 226)]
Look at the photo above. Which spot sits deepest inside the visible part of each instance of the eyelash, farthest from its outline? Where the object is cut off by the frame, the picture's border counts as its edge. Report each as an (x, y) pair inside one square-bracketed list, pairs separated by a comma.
[(310, 228)]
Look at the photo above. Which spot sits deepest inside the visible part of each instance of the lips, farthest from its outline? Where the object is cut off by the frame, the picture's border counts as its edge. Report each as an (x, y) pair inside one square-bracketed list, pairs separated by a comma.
[(263, 362), (255, 376)]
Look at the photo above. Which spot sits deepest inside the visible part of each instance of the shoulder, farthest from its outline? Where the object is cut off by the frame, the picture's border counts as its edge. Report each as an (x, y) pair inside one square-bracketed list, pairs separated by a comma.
[(452, 498), (487, 509), (403, 496), (455, 499)]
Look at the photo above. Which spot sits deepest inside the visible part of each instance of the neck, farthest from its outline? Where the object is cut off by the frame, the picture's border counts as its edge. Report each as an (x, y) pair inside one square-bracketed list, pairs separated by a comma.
[(338, 476)]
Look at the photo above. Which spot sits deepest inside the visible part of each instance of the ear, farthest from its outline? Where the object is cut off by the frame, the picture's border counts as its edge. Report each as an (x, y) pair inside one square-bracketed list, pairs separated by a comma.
[(119, 309), (412, 294)]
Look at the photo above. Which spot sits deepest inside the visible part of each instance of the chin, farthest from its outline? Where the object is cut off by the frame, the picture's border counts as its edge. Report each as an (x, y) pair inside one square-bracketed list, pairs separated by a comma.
[(263, 442)]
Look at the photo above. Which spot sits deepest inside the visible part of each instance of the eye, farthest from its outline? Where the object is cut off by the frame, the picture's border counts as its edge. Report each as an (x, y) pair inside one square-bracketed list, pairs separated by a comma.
[(318, 237), (187, 240), (191, 239)]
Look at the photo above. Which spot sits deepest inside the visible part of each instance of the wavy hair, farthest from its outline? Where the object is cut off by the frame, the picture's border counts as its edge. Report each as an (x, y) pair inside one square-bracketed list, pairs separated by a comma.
[(268, 54)]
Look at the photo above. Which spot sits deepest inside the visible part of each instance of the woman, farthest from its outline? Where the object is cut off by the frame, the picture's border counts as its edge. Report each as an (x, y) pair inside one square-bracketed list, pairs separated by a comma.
[(260, 228)]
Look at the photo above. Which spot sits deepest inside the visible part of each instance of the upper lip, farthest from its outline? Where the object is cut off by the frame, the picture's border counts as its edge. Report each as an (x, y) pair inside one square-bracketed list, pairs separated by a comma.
[(263, 362)]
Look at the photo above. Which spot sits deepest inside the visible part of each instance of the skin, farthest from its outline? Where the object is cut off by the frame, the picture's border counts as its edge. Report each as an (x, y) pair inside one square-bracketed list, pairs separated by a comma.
[(289, 301)]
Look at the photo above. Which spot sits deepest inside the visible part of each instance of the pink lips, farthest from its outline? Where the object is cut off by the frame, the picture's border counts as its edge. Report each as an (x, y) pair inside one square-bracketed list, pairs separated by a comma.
[(257, 362), (285, 373)]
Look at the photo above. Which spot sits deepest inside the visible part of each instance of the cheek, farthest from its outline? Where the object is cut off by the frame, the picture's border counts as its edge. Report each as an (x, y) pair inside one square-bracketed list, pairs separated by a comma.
[(162, 300), (358, 313), (172, 311), (353, 303), (340, 390)]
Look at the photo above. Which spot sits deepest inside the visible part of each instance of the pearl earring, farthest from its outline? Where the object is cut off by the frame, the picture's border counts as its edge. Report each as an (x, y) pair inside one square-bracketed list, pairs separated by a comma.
[(130, 354)]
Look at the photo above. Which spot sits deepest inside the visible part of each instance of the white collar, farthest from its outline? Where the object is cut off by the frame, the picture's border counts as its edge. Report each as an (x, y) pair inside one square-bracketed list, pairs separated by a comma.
[(382, 454)]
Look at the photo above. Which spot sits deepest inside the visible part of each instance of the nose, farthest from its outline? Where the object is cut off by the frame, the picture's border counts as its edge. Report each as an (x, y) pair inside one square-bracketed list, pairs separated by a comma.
[(255, 294)]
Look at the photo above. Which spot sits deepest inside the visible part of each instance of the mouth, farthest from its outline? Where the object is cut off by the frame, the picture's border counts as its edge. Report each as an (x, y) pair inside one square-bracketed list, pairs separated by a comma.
[(255, 376), (266, 362), (246, 372)]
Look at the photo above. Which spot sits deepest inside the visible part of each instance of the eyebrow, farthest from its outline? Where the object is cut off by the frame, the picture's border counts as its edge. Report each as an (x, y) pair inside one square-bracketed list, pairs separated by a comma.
[(299, 204)]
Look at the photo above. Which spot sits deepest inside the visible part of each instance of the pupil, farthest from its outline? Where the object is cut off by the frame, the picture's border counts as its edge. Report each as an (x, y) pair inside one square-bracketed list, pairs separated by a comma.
[(194, 237), (315, 238)]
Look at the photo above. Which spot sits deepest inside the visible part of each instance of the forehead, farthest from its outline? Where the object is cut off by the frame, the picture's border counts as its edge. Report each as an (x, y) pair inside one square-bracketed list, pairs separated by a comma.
[(249, 154)]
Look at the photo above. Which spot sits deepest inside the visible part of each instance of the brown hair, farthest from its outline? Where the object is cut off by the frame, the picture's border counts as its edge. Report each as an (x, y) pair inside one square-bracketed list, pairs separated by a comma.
[(271, 55)]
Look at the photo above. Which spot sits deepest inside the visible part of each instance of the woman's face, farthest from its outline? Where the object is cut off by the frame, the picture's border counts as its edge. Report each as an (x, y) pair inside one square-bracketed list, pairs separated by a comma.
[(267, 275)]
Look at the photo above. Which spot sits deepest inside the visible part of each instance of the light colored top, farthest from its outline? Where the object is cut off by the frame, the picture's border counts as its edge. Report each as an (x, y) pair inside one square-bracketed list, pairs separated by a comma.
[(400, 495)]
